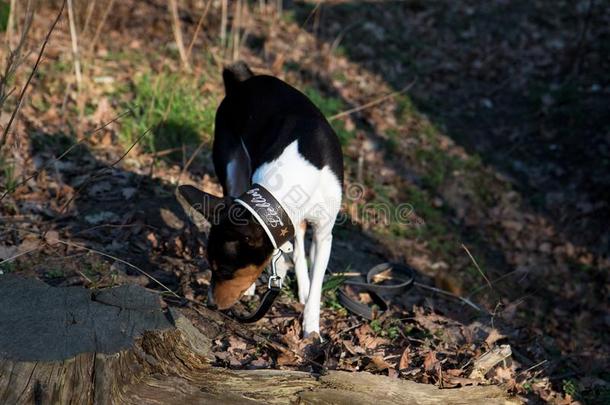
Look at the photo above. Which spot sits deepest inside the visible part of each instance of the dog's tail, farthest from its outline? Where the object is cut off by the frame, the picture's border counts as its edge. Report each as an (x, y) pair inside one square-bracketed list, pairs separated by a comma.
[(234, 74)]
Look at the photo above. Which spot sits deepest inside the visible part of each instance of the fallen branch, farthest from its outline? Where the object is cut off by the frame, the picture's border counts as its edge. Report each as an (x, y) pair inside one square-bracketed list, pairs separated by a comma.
[(118, 345), (489, 360)]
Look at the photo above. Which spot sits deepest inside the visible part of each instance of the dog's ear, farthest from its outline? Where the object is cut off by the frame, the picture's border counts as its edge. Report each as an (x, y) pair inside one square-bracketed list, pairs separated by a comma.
[(200, 205)]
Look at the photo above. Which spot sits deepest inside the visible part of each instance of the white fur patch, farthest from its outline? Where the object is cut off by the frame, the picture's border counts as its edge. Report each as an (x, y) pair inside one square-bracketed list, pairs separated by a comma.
[(305, 192), (312, 195)]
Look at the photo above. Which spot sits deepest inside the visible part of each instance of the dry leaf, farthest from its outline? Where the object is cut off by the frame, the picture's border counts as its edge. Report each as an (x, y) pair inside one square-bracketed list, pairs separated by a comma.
[(367, 339), (236, 344), (493, 337), (405, 359), (392, 373), (504, 374), (287, 359), (378, 364), (461, 381), (51, 237), (430, 360)]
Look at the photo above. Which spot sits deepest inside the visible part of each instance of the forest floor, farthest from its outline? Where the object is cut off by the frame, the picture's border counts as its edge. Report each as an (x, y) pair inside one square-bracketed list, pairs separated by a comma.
[(495, 135)]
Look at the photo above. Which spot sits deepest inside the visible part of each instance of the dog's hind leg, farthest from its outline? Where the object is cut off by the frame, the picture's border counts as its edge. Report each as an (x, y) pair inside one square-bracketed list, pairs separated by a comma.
[(300, 262)]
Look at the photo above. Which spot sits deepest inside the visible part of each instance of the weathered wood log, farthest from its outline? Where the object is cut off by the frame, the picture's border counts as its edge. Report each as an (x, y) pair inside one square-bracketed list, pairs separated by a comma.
[(71, 345)]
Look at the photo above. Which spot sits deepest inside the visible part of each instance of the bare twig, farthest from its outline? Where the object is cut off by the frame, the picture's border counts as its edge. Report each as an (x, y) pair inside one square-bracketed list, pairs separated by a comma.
[(341, 35), (449, 294), (98, 30), (223, 23), (235, 29), (10, 23), (311, 13), (90, 9), (279, 5), (372, 103), (191, 159), (534, 366), (161, 153), (198, 28), (77, 68), (580, 43), (177, 28), (15, 56), (477, 265), (32, 73), (10, 259), (74, 43)]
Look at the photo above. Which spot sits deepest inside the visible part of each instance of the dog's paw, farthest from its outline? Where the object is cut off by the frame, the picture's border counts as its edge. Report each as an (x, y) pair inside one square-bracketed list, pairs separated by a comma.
[(312, 337), (313, 347)]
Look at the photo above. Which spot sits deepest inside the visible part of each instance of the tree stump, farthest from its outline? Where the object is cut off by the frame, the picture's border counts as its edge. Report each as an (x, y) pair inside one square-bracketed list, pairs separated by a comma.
[(72, 345)]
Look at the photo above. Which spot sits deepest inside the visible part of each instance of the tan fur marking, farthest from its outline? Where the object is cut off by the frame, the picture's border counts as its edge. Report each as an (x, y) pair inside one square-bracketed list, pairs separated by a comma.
[(227, 293)]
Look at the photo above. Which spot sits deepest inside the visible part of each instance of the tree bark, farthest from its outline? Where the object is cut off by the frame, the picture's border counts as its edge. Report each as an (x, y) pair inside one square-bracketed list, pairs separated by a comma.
[(71, 345)]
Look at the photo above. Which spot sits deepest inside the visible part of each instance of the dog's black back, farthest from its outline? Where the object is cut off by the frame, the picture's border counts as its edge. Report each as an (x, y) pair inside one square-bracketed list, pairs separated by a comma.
[(268, 115)]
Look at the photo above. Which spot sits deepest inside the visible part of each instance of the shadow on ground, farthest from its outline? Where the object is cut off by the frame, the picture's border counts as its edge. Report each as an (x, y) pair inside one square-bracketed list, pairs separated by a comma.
[(520, 83), (523, 85)]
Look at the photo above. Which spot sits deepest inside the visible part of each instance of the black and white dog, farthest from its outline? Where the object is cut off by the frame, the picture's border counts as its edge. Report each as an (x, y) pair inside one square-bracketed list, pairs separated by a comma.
[(273, 149)]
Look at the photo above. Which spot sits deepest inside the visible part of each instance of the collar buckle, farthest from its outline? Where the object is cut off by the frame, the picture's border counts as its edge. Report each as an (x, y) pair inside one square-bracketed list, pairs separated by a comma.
[(275, 281)]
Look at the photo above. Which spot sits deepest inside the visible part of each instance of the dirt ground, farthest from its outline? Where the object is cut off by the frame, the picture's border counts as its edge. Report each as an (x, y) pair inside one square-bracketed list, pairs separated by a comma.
[(495, 133)]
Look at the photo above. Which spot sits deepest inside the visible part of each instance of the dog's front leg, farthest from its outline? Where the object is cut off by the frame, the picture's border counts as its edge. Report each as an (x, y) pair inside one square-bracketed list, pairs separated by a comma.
[(311, 316), (300, 263)]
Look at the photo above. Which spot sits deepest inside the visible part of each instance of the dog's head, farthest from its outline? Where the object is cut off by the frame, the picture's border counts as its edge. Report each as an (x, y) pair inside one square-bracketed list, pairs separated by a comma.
[(238, 248)]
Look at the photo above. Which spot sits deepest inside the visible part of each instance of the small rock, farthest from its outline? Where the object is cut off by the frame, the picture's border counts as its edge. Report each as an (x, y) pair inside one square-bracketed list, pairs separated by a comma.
[(129, 192), (171, 219), (545, 247)]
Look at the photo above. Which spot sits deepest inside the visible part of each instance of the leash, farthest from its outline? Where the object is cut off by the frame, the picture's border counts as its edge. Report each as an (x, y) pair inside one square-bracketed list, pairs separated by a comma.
[(276, 223), (403, 275), (274, 287)]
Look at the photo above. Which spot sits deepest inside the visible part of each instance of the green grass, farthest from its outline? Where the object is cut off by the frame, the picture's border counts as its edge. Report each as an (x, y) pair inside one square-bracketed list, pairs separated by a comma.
[(55, 273), (334, 282), (173, 108), (389, 329), (7, 267), (329, 292), (5, 10), (8, 179)]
